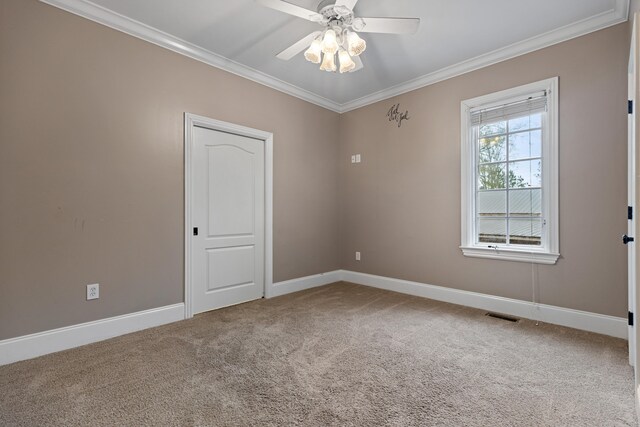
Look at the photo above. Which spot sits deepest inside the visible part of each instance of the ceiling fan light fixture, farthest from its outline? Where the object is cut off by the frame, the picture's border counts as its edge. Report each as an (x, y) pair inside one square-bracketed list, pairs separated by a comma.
[(330, 42), (339, 35), (328, 63), (355, 44), (314, 53), (346, 63)]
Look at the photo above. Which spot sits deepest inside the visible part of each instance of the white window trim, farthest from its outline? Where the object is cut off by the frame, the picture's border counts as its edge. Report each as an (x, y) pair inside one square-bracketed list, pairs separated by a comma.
[(545, 255)]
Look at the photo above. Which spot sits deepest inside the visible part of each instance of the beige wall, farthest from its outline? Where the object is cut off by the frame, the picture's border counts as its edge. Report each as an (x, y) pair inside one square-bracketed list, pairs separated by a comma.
[(91, 173), (91, 168), (401, 206)]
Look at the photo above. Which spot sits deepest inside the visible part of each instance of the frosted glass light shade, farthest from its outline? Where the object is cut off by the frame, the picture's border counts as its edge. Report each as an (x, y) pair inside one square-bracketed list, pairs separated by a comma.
[(328, 62), (330, 42), (356, 44), (346, 63), (314, 53)]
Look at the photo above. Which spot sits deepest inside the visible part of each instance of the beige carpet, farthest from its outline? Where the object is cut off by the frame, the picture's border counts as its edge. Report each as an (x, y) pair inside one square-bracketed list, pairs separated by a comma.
[(341, 355)]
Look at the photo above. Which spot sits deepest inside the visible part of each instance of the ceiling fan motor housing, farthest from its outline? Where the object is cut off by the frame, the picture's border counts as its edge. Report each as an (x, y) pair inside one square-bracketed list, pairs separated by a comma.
[(331, 12)]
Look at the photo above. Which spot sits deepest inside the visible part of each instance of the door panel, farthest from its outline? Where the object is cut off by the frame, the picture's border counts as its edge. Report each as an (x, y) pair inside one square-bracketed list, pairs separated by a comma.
[(231, 209), (230, 267), (228, 206)]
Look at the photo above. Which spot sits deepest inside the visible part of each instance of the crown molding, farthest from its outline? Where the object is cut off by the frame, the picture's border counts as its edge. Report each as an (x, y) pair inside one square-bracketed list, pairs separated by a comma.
[(101, 15), (603, 20), (119, 22)]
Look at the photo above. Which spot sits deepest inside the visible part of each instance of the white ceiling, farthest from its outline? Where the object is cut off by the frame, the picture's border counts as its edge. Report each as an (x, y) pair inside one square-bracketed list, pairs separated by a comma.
[(455, 36)]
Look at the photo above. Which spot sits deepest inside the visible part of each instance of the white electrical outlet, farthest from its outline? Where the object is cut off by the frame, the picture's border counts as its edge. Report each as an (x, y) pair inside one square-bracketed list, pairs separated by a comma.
[(357, 256), (358, 158), (353, 158), (93, 291)]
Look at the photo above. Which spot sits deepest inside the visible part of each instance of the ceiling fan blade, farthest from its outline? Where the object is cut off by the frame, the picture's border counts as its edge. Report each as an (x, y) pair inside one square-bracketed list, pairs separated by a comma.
[(390, 25), (358, 62), (349, 4), (298, 46), (292, 9)]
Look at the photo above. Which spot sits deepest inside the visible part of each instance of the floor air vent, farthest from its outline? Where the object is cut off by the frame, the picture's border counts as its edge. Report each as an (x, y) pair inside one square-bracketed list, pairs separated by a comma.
[(502, 316)]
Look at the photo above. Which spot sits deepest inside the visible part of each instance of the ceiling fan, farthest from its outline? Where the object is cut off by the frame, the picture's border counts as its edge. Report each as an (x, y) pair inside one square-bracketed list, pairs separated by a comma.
[(340, 33)]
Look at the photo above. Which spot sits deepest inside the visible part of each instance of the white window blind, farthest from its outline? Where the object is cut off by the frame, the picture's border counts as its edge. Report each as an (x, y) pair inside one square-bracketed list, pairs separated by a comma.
[(534, 104)]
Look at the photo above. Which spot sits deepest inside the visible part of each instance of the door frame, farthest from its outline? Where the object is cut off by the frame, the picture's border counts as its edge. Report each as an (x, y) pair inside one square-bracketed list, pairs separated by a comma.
[(633, 181), (631, 194), (191, 121)]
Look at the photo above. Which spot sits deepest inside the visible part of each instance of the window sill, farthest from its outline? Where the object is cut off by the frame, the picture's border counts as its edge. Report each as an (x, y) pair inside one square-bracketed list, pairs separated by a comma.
[(510, 254)]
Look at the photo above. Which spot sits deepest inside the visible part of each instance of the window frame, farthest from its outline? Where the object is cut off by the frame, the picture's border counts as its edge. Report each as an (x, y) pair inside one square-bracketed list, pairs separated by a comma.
[(549, 251)]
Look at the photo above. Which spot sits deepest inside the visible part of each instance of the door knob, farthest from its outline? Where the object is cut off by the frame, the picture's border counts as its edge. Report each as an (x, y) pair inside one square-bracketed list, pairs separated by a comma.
[(626, 239)]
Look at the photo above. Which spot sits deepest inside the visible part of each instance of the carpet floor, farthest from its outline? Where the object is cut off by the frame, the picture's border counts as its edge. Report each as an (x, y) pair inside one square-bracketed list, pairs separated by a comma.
[(342, 354)]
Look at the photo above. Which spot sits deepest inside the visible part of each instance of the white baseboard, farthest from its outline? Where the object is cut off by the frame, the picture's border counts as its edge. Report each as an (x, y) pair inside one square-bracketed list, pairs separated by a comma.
[(637, 399), (41, 343), (592, 322), (302, 283), (30, 346)]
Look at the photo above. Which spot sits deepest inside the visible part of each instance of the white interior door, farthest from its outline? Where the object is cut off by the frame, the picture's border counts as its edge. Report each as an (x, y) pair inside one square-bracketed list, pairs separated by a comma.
[(632, 187), (227, 215)]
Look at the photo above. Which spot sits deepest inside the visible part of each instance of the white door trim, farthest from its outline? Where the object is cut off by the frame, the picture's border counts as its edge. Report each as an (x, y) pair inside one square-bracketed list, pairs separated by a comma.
[(190, 121), (631, 194)]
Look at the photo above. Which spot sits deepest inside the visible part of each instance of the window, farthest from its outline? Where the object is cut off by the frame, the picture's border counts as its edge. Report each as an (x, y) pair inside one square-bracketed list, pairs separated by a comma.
[(510, 174)]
